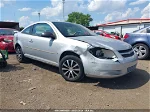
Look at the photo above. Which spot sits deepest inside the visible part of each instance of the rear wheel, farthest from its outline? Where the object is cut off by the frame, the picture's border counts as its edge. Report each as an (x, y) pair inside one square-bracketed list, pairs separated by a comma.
[(142, 51), (71, 68), (19, 54)]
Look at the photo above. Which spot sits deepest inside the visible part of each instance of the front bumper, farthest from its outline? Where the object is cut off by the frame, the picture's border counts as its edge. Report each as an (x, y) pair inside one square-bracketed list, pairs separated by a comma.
[(100, 68)]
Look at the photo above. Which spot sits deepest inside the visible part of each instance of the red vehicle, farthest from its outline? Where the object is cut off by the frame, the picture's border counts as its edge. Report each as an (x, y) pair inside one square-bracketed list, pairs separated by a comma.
[(6, 39), (106, 34)]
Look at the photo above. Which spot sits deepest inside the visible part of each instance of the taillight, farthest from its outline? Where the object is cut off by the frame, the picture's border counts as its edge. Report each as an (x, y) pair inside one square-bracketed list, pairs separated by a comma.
[(126, 36)]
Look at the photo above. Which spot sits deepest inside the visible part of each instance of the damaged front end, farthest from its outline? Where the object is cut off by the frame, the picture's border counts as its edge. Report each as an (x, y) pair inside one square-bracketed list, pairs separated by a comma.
[(103, 53), (102, 62)]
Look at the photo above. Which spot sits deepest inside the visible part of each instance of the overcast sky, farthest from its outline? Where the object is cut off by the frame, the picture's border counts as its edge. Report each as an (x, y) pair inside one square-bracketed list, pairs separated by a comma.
[(102, 11)]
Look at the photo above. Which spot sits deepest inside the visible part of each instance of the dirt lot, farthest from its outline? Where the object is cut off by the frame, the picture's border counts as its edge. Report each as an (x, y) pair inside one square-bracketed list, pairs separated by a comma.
[(36, 85)]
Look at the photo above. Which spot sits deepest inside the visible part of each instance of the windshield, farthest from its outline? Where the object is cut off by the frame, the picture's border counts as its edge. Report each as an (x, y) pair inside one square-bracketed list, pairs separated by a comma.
[(72, 30), (7, 32)]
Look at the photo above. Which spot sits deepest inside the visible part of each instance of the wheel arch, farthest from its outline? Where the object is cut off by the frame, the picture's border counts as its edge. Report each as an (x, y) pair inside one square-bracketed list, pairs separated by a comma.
[(17, 44), (65, 53), (141, 43)]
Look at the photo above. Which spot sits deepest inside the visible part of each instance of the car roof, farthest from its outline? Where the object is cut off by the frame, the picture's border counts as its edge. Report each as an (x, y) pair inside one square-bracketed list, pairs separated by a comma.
[(47, 22), (50, 22)]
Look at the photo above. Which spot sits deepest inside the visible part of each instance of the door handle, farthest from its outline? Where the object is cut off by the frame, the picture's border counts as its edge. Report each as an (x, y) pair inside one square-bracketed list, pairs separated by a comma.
[(31, 41)]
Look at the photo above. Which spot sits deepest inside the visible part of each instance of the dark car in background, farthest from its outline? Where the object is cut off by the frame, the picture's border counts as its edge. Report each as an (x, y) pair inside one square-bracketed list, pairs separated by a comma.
[(140, 40), (6, 39)]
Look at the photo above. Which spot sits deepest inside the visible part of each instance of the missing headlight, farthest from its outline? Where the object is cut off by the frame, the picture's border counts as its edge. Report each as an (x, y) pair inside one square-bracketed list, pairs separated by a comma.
[(102, 53), (97, 52)]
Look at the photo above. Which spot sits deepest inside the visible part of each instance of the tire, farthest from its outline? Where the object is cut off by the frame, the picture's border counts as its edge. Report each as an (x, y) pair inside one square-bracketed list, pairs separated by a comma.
[(19, 54), (3, 64), (142, 50), (71, 68)]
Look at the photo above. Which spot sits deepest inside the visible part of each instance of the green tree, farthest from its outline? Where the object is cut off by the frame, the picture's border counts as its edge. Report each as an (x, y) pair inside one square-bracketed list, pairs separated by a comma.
[(80, 18), (21, 28)]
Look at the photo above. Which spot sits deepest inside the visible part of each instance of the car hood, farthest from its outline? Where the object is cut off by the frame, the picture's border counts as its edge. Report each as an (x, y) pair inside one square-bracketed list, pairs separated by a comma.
[(99, 41)]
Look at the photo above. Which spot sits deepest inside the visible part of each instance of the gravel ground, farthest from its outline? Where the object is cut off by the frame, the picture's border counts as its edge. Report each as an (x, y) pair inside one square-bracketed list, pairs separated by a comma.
[(36, 85)]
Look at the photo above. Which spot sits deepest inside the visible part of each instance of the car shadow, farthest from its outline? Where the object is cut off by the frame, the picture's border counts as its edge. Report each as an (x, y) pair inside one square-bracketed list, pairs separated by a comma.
[(11, 67), (45, 66), (132, 80)]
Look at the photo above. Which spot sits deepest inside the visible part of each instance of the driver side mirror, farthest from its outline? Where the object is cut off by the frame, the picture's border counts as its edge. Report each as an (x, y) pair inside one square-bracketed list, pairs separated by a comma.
[(49, 35)]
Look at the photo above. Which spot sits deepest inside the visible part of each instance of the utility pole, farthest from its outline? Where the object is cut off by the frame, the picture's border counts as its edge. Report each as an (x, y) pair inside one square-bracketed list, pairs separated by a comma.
[(39, 16), (63, 1)]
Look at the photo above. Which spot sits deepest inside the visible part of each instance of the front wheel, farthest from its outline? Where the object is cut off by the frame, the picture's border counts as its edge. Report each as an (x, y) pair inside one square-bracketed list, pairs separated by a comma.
[(71, 68), (142, 51)]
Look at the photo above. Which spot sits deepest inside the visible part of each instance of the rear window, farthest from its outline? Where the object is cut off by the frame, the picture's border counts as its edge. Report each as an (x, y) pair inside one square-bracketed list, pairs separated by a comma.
[(7, 32), (142, 30)]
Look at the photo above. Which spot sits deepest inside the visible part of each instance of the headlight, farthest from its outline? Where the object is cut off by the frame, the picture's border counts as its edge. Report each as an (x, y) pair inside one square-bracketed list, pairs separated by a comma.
[(7, 40), (103, 53)]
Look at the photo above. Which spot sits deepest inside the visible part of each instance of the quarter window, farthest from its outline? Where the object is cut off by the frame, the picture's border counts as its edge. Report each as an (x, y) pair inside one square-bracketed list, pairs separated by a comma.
[(27, 30), (41, 28)]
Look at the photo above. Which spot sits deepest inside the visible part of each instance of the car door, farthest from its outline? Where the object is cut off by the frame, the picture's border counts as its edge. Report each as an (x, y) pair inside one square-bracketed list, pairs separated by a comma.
[(44, 48), (24, 38)]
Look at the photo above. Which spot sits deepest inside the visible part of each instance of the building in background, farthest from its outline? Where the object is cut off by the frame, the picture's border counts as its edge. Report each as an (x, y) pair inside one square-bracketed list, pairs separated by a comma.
[(125, 26)]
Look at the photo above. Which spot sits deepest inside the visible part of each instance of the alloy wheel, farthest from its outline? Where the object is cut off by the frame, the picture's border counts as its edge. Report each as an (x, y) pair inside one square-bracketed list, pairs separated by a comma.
[(140, 50), (70, 69)]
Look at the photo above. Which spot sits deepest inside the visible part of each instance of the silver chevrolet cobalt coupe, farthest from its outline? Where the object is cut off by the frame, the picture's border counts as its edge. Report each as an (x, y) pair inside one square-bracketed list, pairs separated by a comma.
[(76, 50)]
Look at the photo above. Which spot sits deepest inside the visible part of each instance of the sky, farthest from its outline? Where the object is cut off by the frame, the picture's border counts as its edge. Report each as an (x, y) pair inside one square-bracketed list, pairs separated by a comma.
[(102, 11)]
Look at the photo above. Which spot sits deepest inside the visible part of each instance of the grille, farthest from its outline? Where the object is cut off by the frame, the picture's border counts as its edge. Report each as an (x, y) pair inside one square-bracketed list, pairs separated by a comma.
[(127, 53)]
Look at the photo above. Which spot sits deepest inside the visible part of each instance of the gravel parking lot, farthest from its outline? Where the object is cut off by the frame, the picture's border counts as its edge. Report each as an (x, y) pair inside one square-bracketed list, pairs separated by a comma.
[(36, 85)]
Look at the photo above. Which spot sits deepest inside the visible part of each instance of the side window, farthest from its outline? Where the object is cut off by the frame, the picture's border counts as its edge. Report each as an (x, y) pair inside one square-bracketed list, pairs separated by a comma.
[(27, 30), (148, 30), (40, 28)]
